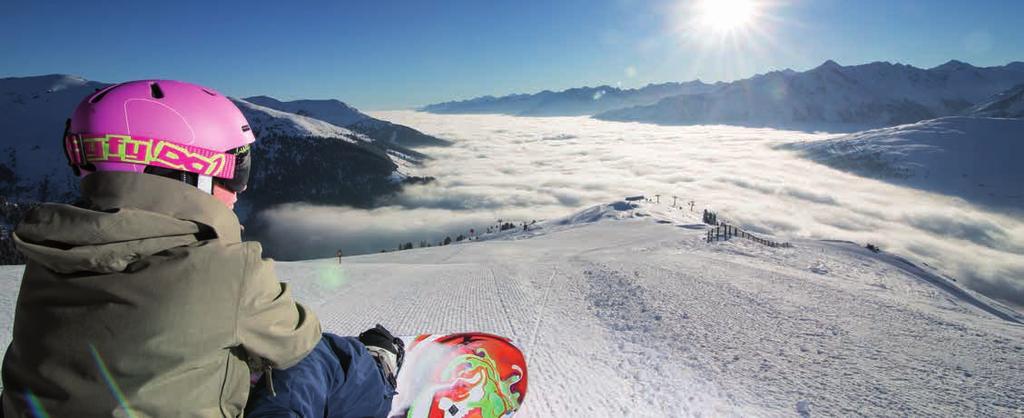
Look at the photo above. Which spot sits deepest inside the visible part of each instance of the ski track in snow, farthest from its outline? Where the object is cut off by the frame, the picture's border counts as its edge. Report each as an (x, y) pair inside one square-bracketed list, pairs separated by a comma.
[(641, 317)]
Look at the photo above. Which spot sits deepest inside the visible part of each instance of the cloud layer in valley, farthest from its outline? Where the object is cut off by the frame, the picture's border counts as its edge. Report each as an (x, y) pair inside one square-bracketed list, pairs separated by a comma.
[(520, 169)]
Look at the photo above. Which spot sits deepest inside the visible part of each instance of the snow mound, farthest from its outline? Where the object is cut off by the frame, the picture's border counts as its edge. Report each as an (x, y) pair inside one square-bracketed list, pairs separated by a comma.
[(623, 210), (977, 159)]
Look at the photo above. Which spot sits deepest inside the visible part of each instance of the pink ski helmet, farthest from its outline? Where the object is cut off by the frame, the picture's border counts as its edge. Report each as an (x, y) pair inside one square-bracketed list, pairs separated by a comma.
[(161, 127)]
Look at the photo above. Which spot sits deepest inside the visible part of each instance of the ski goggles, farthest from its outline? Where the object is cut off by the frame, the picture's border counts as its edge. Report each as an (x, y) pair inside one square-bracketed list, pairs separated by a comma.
[(243, 165), (230, 169)]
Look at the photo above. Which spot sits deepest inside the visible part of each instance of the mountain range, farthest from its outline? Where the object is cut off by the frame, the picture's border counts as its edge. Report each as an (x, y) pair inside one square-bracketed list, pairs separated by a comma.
[(829, 96), (571, 102)]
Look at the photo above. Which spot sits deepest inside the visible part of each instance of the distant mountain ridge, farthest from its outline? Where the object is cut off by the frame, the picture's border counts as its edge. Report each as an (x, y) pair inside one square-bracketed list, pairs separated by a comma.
[(830, 95), (571, 102), (862, 96)]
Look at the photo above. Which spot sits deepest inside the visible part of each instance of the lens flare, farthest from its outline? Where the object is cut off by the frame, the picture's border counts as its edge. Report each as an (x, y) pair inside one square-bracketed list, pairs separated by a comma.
[(111, 384), (332, 276), (34, 406)]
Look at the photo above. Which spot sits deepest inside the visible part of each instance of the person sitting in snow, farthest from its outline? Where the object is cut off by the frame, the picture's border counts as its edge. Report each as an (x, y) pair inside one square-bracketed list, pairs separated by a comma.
[(142, 300)]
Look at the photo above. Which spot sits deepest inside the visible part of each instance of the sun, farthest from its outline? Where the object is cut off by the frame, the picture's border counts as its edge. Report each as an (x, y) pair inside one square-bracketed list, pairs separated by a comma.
[(725, 16)]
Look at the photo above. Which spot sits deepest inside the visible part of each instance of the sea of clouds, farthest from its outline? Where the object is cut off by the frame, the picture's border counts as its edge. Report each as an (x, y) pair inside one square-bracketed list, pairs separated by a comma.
[(522, 169)]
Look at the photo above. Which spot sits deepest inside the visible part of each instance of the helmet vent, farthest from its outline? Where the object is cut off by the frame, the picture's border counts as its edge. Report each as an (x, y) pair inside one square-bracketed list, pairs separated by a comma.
[(99, 96), (209, 92), (155, 91)]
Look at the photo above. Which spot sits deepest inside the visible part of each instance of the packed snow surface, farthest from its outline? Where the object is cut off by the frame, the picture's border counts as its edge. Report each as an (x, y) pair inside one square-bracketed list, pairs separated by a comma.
[(627, 311)]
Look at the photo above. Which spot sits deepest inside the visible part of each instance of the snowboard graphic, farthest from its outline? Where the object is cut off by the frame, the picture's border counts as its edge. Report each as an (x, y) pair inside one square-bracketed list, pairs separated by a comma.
[(472, 375)]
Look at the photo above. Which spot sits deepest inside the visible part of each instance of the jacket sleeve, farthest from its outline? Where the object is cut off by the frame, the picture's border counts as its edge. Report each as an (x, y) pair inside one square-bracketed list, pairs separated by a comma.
[(271, 325)]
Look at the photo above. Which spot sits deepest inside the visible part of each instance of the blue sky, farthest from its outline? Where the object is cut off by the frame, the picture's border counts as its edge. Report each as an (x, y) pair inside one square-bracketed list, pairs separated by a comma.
[(397, 54)]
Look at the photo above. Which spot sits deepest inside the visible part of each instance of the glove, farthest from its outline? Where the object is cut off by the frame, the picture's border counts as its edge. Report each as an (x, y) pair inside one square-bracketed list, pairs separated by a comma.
[(387, 350)]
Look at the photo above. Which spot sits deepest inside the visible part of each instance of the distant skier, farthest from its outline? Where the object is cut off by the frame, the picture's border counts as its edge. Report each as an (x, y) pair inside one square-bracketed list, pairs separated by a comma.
[(142, 300), (339, 256)]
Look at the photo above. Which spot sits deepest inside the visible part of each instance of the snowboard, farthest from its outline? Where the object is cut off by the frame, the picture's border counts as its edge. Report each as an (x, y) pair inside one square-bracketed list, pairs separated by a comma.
[(472, 375)]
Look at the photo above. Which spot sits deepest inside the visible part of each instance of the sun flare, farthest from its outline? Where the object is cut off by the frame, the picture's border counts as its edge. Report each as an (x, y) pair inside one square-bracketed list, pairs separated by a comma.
[(726, 15)]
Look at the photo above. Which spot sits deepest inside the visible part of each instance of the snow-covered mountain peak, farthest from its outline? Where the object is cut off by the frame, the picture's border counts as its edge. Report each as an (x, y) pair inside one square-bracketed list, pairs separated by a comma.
[(953, 65), (49, 83), (829, 65)]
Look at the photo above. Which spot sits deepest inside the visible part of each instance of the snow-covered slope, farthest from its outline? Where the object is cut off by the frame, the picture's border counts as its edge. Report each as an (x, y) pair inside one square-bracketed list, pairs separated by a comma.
[(385, 133), (571, 102), (978, 159), (303, 159), (267, 121), (1007, 104), (628, 312), (333, 111), (833, 96), (32, 115)]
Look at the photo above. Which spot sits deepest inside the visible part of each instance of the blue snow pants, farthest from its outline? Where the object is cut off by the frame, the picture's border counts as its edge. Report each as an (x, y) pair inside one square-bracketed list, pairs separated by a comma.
[(337, 379)]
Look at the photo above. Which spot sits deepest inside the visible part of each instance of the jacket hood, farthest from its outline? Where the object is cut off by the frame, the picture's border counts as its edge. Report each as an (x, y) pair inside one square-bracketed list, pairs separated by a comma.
[(124, 217)]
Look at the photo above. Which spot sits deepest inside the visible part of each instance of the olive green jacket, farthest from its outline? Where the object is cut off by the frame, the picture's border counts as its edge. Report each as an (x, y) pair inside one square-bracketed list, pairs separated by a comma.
[(144, 302)]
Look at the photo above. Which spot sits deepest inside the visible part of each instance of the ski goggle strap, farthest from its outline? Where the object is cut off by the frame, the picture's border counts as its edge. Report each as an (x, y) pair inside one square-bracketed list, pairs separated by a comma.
[(83, 149)]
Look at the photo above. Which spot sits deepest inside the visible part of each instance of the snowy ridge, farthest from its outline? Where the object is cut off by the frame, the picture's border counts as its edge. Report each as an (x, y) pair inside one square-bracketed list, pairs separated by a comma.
[(977, 159), (267, 121), (332, 111), (386, 134), (628, 312)]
